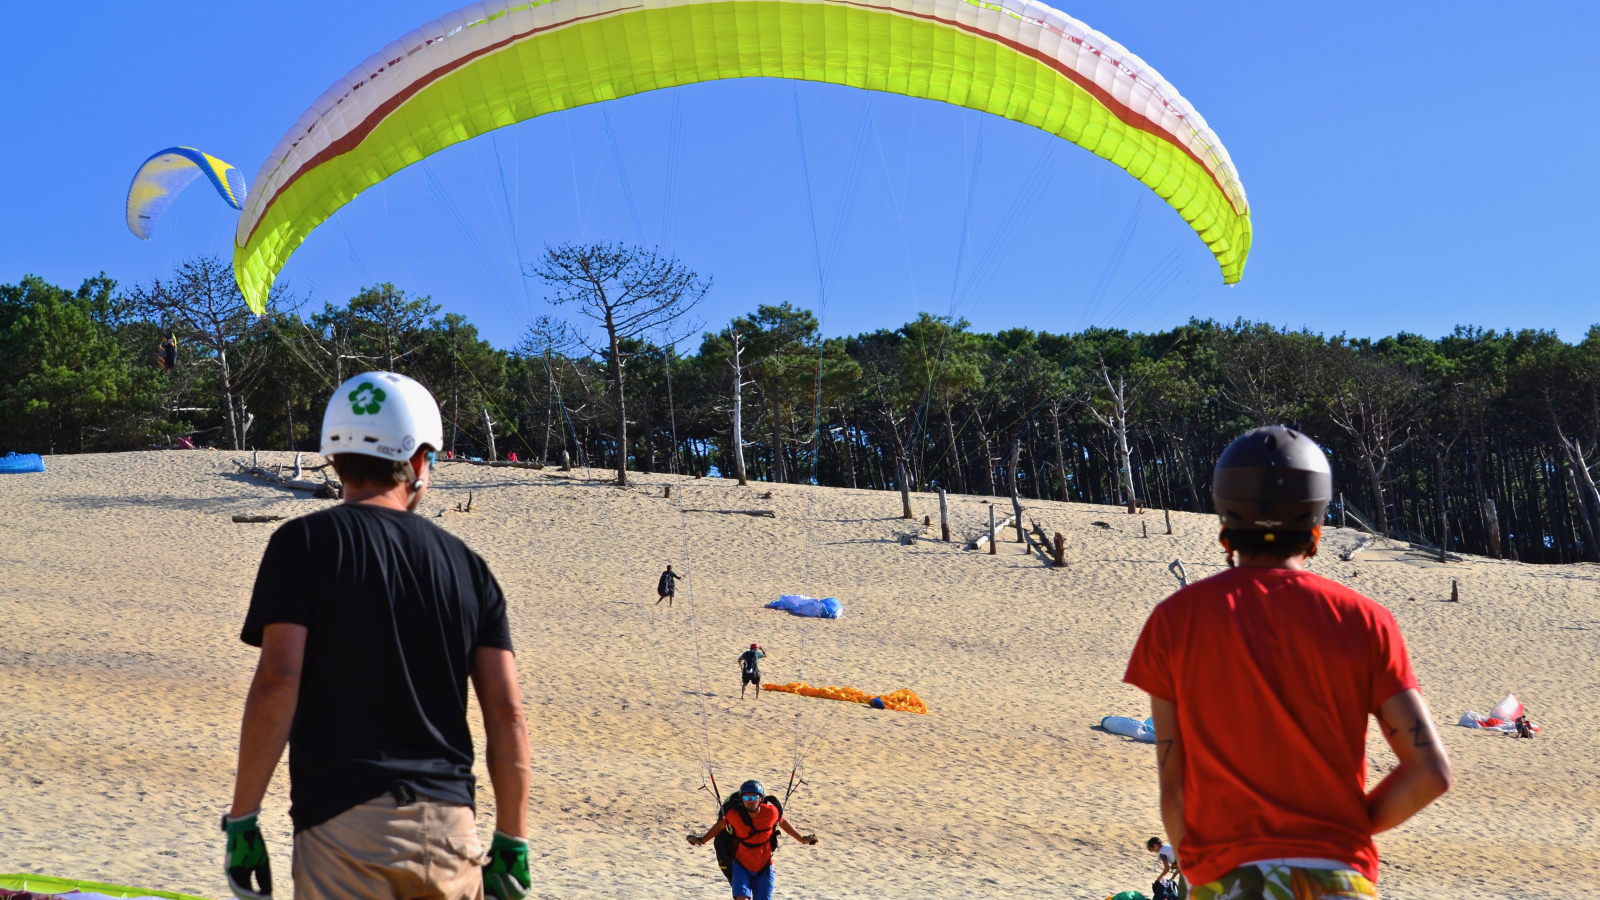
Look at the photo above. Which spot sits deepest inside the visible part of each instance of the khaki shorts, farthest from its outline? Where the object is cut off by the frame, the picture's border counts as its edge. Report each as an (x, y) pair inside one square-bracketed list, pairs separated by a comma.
[(383, 851)]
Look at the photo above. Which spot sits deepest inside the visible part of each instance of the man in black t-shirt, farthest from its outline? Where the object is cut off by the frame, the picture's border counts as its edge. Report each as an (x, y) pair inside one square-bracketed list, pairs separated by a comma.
[(750, 669), (371, 621)]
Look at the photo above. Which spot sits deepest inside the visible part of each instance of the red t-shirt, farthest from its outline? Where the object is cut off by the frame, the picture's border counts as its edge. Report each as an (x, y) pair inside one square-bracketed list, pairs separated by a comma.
[(1274, 672), (762, 821)]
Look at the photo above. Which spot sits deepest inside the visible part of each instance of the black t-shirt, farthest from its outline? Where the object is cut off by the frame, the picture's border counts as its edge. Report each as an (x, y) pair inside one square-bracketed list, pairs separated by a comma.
[(668, 583), (395, 608)]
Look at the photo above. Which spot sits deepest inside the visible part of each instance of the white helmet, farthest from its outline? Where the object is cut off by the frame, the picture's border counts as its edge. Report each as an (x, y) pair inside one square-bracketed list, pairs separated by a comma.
[(381, 414)]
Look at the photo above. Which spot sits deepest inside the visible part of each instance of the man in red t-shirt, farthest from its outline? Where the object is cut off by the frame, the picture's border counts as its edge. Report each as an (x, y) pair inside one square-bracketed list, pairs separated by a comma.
[(752, 821), (1261, 679)]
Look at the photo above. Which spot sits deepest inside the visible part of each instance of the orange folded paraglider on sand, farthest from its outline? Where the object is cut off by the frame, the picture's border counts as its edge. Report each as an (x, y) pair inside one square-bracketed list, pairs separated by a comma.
[(899, 701)]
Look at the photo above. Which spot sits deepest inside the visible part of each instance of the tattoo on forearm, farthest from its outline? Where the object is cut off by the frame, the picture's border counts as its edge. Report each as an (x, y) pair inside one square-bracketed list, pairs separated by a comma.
[(1419, 735), (1389, 731), (1163, 750)]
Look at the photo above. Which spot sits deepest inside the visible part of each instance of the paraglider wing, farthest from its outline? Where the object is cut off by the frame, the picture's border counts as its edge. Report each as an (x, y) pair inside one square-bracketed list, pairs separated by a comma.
[(164, 176), (497, 63)]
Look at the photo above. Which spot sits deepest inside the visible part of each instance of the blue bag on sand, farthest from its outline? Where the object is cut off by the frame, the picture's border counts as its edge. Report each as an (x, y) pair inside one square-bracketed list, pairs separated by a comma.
[(877, 703), (1127, 727), (21, 462)]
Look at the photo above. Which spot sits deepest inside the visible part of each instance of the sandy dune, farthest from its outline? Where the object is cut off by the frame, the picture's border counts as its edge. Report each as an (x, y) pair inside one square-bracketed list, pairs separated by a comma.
[(124, 583)]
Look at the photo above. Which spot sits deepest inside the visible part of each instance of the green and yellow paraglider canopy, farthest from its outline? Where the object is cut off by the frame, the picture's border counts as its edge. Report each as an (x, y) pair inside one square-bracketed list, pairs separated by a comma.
[(500, 62)]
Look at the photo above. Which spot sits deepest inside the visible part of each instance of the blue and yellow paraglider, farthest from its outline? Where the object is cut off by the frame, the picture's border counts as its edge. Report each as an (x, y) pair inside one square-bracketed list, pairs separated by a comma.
[(164, 176)]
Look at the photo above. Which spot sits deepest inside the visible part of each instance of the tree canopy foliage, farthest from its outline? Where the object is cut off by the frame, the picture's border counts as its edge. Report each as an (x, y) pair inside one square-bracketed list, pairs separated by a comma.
[(1482, 441)]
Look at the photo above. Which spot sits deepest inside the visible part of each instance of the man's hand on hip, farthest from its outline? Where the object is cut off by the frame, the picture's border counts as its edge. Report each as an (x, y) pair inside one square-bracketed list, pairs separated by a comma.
[(506, 876), (246, 855)]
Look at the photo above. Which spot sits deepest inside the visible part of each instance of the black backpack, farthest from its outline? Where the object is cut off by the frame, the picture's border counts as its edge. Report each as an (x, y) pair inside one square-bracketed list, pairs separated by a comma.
[(726, 843)]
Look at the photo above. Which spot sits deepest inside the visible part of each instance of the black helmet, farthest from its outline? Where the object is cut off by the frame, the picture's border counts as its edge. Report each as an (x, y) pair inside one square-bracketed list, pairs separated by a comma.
[(752, 787), (1272, 479)]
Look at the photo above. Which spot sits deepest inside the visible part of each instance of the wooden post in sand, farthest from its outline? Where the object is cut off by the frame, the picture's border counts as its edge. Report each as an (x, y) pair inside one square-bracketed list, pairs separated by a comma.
[(666, 491), (1168, 514), (566, 461), (991, 529), (1144, 530), (1061, 550), (944, 516), (1455, 594), (297, 467)]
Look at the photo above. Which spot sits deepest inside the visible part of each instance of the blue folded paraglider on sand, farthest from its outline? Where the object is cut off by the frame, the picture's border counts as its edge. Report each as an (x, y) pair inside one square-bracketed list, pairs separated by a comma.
[(21, 462), (1143, 732), (801, 605)]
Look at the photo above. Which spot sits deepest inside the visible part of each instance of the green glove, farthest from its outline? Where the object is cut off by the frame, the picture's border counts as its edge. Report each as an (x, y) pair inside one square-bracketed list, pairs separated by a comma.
[(506, 876), (246, 855)]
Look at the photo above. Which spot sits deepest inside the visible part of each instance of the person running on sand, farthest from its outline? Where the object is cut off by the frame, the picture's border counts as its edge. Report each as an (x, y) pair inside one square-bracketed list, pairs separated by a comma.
[(371, 620), (667, 586), (1261, 679), (750, 669), (753, 823), (1169, 866)]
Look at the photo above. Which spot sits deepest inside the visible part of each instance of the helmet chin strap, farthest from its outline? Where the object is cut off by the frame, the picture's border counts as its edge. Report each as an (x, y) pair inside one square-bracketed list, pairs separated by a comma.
[(414, 483)]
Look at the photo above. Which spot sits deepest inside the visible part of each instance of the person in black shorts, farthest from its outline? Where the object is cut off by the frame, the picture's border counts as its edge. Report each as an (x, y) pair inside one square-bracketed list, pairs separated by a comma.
[(750, 669), (667, 586)]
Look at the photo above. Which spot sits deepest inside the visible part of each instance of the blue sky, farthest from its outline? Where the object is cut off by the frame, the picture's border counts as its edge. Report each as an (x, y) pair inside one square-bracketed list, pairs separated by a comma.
[(1410, 167)]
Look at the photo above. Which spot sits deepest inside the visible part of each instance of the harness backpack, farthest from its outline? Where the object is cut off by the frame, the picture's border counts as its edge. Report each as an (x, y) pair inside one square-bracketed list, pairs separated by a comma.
[(727, 843)]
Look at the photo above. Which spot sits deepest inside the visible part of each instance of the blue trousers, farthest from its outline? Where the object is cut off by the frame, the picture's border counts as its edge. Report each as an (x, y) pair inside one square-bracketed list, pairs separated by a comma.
[(755, 885)]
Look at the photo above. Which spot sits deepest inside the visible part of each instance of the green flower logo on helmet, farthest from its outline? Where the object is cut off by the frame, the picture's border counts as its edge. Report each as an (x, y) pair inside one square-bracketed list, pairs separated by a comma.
[(367, 399)]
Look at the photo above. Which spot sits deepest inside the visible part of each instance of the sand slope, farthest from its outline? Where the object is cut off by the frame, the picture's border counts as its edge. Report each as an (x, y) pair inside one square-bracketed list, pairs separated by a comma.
[(123, 584)]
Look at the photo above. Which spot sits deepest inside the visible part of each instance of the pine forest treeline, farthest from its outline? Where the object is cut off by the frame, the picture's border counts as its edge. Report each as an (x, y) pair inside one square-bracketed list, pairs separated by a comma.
[(1482, 441)]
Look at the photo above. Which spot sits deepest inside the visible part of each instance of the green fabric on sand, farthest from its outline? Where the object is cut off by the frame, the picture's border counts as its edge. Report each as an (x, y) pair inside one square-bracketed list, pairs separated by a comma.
[(44, 884)]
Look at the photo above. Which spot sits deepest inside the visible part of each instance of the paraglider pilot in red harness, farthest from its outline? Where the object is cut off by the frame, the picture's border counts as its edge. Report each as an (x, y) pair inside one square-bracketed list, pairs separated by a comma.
[(746, 833)]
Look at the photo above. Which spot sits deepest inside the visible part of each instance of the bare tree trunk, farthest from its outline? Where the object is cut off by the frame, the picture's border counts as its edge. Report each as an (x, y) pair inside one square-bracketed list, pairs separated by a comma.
[(1188, 476), (1582, 481), (1033, 460), (988, 458), (955, 449), (1061, 456), (672, 414), (1117, 424), (1440, 499), (617, 397), (288, 415), (227, 401), (1375, 483), (780, 471), (738, 410), (1125, 457), (488, 429), (455, 392), (1493, 516), (905, 488), (549, 409), (1491, 524), (848, 435), (1583, 516), (1011, 473)]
